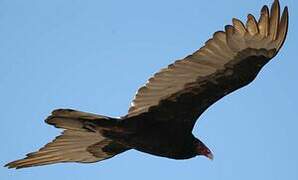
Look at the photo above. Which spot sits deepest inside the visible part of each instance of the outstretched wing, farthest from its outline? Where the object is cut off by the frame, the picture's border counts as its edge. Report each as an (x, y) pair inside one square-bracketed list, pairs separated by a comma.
[(228, 61)]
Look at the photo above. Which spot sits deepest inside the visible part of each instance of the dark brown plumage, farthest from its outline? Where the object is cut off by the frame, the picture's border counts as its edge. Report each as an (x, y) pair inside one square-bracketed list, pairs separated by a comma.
[(164, 111)]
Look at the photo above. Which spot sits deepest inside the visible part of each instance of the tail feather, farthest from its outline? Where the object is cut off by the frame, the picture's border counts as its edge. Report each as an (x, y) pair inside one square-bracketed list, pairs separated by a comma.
[(77, 120), (76, 144)]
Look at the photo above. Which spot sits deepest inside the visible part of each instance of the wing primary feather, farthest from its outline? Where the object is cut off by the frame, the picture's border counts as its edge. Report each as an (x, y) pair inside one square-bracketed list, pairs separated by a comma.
[(232, 42), (274, 20), (283, 28), (263, 23), (251, 25), (239, 26)]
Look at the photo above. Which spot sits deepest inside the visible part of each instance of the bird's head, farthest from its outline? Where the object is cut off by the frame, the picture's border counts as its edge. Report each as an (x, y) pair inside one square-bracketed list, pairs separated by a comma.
[(202, 150)]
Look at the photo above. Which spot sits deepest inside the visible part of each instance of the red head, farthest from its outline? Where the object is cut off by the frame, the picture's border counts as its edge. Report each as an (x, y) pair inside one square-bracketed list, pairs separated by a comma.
[(203, 150)]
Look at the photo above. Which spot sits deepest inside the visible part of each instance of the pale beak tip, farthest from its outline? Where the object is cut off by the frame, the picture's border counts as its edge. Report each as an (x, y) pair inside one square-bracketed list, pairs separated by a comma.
[(210, 156)]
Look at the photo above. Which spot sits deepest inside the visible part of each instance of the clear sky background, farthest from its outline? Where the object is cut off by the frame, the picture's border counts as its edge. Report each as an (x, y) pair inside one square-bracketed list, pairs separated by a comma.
[(93, 55)]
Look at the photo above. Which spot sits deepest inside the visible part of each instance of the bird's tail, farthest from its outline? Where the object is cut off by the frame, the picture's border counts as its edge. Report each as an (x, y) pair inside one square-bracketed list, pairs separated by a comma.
[(81, 141)]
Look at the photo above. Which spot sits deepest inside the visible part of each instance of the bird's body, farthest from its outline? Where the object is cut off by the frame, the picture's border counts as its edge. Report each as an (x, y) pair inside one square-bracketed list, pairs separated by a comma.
[(164, 111), (159, 139)]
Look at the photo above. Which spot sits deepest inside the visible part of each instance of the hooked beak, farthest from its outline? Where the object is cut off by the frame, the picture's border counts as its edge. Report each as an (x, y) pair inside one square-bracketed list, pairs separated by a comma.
[(210, 156)]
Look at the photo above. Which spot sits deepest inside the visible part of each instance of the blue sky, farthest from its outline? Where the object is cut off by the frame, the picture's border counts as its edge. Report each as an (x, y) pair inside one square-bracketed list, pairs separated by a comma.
[(93, 55)]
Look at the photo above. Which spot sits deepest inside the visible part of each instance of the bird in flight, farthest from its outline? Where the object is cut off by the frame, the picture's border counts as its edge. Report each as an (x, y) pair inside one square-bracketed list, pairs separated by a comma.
[(163, 113)]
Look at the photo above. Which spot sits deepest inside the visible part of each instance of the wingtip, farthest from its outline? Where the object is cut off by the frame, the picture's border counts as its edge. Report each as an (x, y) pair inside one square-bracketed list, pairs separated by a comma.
[(265, 10), (6, 165), (276, 2), (285, 14), (275, 6), (274, 20), (10, 165), (286, 11), (49, 120), (229, 28), (250, 16), (284, 23)]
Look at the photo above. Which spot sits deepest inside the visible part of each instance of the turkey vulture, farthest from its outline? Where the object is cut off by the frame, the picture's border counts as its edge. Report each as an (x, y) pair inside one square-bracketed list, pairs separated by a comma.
[(164, 111)]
